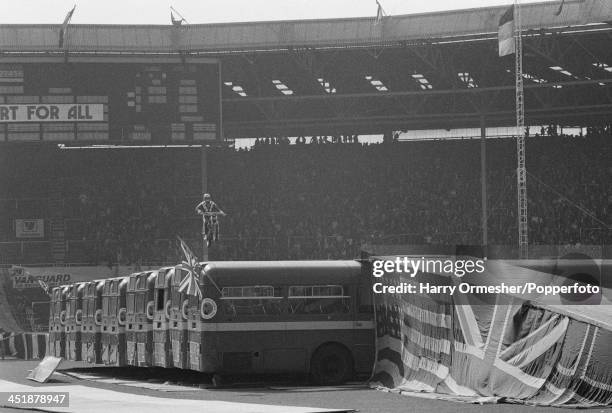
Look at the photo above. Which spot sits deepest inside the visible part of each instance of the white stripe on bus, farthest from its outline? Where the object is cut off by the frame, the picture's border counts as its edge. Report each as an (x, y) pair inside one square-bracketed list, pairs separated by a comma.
[(145, 328), (291, 297), (287, 325)]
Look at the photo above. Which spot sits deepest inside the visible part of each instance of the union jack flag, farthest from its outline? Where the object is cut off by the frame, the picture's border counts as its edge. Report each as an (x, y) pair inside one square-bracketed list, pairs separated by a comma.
[(190, 283), (462, 348), (190, 258), (44, 286)]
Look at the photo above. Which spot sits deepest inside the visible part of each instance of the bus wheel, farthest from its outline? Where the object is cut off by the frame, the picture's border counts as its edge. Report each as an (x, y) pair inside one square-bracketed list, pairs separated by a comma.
[(217, 380), (331, 364)]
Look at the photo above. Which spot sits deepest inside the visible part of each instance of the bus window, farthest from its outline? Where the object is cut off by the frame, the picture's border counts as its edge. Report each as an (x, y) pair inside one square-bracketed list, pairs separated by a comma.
[(251, 300), (131, 303), (318, 299), (112, 306), (160, 299), (364, 300), (140, 304), (140, 281), (176, 298)]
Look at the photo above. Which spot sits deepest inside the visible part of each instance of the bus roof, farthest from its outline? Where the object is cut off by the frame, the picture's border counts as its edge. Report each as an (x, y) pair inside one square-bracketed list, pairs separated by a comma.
[(260, 272)]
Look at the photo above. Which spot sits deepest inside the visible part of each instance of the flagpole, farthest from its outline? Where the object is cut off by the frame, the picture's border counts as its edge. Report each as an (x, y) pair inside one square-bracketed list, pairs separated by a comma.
[(204, 175), (521, 170)]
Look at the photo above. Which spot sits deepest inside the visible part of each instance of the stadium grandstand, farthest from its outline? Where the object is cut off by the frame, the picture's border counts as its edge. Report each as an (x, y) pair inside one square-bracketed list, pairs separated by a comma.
[(170, 106)]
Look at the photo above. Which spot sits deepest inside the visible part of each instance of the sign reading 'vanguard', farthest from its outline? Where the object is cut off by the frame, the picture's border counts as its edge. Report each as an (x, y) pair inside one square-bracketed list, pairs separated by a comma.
[(61, 112), (27, 277), (30, 228)]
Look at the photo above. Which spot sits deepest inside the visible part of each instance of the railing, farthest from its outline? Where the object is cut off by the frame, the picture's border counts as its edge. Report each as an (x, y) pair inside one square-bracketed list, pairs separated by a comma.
[(260, 248), (596, 235), (12, 252)]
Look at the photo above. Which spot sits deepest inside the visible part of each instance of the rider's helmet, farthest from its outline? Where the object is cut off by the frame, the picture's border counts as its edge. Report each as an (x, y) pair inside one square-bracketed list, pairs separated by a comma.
[(207, 197)]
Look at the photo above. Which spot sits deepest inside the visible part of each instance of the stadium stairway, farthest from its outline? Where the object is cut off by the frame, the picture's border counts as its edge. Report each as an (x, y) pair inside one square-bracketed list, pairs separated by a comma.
[(7, 319), (14, 341), (56, 215)]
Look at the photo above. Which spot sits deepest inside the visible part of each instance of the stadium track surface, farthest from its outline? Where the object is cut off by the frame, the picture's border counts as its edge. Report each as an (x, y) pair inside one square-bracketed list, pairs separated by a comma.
[(290, 394)]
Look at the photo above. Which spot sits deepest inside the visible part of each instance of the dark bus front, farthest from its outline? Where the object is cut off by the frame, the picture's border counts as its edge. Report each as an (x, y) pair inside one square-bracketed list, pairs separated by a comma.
[(113, 321), (162, 356), (284, 316), (57, 321), (139, 318), (74, 319), (91, 326)]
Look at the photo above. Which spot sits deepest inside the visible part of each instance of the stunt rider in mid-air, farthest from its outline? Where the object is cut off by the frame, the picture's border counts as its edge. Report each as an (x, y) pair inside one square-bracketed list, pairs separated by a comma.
[(210, 212)]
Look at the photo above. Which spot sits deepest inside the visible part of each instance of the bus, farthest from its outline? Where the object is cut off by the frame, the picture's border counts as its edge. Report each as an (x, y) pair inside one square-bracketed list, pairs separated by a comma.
[(113, 321), (74, 319), (91, 325), (139, 318), (312, 317), (57, 321), (177, 323), (162, 355)]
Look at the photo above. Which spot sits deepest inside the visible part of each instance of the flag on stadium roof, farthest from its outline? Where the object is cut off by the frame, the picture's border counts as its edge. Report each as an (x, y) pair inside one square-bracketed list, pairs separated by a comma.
[(380, 13), (506, 33), (560, 8), (62, 33), (175, 22)]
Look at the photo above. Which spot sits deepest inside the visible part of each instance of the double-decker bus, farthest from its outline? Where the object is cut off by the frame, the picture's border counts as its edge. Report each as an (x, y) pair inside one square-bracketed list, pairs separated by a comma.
[(113, 321), (139, 318), (91, 326), (74, 319), (57, 321), (162, 355), (310, 317), (177, 320)]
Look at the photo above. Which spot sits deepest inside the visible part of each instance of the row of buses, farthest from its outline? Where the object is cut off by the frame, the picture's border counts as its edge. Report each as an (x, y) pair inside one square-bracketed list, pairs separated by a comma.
[(310, 317)]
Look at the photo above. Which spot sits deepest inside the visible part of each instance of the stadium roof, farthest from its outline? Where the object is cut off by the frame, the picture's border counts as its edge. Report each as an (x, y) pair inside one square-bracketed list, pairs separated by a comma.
[(301, 33), (422, 71)]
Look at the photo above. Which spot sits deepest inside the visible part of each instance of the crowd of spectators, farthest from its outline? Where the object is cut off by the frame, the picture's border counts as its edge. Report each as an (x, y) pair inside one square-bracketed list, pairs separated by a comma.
[(27, 306), (325, 197), (302, 140), (126, 205)]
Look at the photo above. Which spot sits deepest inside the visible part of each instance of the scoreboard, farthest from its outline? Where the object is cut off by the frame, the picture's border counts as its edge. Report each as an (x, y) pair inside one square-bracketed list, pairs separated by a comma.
[(110, 102)]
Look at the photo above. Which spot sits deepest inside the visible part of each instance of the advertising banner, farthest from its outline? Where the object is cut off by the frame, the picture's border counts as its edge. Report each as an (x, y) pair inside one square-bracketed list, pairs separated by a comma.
[(30, 228), (27, 277), (61, 112)]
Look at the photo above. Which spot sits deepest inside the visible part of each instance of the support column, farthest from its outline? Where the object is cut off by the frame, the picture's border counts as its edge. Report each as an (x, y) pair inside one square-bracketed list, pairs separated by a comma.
[(220, 132), (204, 176), (483, 183)]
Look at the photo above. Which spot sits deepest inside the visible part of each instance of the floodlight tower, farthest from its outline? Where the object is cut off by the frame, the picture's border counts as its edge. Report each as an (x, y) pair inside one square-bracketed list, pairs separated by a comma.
[(521, 170)]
